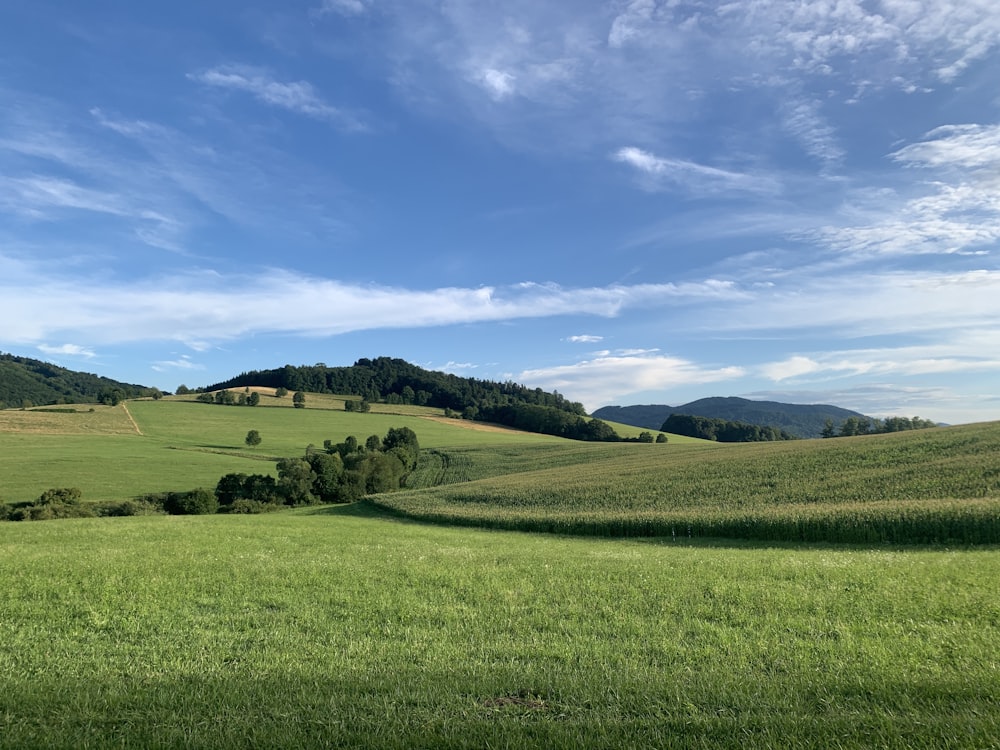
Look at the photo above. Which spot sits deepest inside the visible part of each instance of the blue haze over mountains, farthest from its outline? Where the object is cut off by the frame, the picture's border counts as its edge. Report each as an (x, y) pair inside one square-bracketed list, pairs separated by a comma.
[(801, 420)]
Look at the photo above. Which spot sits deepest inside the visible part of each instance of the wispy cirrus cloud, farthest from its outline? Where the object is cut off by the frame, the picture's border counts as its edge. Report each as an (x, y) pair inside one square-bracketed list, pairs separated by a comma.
[(299, 97), (659, 172), (957, 211), (585, 338)]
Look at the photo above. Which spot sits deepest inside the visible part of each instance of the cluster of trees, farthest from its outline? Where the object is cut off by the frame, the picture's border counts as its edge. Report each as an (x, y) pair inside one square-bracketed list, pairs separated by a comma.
[(722, 430), (547, 420), (227, 398), (26, 382), (341, 473), (246, 397), (66, 502), (873, 426), (646, 437)]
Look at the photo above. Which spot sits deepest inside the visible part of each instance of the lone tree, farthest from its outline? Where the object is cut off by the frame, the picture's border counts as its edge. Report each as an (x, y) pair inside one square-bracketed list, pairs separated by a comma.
[(253, 438), (299, 400), (280, 391)]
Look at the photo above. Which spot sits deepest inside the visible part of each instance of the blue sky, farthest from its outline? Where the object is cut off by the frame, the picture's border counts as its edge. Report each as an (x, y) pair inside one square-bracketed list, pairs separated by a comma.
[(627, 202)]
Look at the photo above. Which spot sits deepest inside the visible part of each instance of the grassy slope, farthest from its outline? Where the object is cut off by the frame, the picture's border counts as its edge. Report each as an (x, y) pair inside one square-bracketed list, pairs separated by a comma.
[(930, 485), (185, 444), (330, 629)]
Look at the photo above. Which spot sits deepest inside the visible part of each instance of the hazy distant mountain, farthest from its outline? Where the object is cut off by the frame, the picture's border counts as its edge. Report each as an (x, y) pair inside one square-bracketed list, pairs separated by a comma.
[(802, 420)]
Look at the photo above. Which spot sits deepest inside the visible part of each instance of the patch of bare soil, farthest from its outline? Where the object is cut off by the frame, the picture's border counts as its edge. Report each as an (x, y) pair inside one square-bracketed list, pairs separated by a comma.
[(477, 426)]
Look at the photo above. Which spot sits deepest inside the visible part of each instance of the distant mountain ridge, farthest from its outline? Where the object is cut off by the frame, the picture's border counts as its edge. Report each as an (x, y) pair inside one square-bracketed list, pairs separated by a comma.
[(801, 420), (32, 382)]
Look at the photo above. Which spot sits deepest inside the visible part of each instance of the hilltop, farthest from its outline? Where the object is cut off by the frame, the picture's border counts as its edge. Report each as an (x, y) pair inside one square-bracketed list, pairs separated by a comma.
[(32, 382), (801, 420)]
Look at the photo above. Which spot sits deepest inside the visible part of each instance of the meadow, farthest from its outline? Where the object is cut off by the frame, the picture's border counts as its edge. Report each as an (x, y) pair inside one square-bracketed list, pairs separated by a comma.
[(366, 626), (340, 628)]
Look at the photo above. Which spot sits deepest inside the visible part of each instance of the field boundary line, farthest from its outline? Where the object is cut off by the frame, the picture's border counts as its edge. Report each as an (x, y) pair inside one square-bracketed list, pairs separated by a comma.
[(131, 419)]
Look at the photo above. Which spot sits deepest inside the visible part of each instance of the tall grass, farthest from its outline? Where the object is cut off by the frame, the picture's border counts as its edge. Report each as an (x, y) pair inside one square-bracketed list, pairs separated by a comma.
[(930, 486)]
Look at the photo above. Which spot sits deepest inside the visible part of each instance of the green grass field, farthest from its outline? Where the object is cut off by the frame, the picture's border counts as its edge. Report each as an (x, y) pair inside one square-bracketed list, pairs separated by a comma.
[(940, 485), (184, 444), (331, 628), (356, 626)]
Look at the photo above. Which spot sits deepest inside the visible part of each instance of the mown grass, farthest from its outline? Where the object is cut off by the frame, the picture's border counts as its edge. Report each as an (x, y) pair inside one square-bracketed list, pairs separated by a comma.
[(337, 629), (185, 444), (928, 486)]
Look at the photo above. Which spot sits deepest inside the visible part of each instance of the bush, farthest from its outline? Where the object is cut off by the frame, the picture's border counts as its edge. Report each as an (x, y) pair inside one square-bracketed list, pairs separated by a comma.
[(193, 503)]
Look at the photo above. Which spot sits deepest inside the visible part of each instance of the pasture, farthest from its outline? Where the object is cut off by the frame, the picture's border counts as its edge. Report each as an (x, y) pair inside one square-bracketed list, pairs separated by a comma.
[(362, 626), (338, 628)]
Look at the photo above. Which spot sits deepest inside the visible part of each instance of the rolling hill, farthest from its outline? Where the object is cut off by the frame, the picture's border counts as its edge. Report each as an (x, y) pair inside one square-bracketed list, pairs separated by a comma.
[(31, 382), (801, 420)]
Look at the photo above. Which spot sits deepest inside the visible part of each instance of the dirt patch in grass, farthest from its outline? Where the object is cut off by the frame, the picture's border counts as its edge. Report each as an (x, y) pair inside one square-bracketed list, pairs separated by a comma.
[(99, 420), (477, 426)]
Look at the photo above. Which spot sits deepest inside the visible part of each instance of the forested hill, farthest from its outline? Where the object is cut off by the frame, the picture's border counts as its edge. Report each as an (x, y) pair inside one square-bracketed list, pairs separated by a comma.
[(31, 382), (397, 381), (801, 420)]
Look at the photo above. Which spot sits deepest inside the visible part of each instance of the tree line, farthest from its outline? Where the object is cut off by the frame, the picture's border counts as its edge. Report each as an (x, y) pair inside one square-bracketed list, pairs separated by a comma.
[(722, 430), (26, 382), (873, 426)]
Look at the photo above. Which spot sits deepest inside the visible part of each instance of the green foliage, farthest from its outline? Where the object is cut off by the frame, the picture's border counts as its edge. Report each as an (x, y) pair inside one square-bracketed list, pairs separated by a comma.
[(253, 438), (721, 429), (25, 382), (854, 426), (280, 392), (254, 399), (358, 405), (398, 382), (549, 420), (661, 438), (191, 503), (295, 482), (299, 400)]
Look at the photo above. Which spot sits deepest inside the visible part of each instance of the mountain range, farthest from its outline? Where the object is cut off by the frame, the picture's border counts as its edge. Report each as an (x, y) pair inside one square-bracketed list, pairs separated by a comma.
[(801, 420)]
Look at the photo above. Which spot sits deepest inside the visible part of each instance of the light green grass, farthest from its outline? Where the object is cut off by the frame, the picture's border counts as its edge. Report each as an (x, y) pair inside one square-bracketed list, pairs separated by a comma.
[(185, 444), (339, 630)]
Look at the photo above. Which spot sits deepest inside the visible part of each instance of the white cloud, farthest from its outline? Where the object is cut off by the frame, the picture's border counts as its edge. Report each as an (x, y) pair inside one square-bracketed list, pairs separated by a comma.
[(37, 304), (345, 7), (184, 362), (803, 119), (498, 84), (585, 339), (956, 213), (68, 350), (690, 175), (296, 96), (609, 379)]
